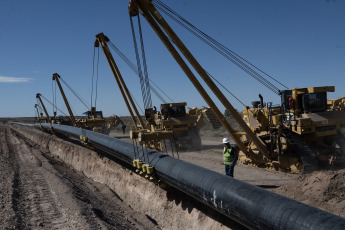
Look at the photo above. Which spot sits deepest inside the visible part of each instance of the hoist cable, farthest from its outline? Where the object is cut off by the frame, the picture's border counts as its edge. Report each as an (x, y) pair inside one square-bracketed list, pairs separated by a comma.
[(38, 103), (87, 106), (135, 70), (243, 67), (136, 103), (221, 84), (54, 96), (135, 154), (132, 67), (93, 72), (147, 83), (213, 40), (136, 144), (53, 105), (231, 57), (221, 48), (225, 89), (138, 65), (55, 92), (143, 154), (159, 96), (97, 79)]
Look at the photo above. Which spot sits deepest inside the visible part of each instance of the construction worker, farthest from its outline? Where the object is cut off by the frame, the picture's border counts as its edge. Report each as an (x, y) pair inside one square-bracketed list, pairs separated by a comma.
[(230, 157)]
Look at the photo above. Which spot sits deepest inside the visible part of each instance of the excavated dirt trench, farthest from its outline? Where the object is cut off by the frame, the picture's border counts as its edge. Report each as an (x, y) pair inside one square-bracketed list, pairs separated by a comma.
[(53, 183), (39, 191)]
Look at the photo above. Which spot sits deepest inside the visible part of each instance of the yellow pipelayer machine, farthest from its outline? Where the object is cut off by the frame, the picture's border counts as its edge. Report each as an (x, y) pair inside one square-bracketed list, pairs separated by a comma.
[(305, 131), (172, 121)]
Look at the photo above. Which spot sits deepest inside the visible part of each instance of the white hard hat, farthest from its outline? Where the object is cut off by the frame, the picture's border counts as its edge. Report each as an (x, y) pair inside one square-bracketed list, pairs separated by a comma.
[(225, 140)]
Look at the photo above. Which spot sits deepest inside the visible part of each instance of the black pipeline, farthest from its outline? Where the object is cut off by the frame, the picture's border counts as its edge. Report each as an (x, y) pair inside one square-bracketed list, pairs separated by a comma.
[(249, 205)]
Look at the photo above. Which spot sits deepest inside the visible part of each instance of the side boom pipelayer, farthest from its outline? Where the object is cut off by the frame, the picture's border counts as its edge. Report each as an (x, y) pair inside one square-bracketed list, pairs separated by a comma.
[(94, 120), (38, 96), (263, 149), (158, 23), (72, 118)]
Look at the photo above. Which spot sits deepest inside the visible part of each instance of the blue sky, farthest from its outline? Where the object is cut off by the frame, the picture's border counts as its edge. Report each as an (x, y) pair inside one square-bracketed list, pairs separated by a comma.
[(299, 42)]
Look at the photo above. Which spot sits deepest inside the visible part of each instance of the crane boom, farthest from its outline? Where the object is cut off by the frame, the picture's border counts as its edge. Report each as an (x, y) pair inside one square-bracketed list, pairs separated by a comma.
[(102, 40), (72, 118), (38, 113), (158, 23), (38, 96)]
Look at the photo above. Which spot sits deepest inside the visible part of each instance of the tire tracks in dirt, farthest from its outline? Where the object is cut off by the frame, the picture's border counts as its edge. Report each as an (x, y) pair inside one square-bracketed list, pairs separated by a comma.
[(7, 205), (47, 194), (34, 202)]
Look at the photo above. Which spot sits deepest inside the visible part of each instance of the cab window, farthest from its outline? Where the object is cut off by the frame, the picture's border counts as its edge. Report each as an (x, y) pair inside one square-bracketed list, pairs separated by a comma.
[(175, 111), (315, 102)]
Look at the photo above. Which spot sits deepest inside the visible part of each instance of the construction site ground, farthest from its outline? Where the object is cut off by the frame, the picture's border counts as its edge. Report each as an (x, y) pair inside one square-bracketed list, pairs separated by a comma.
[(211, 157), (52, 183)]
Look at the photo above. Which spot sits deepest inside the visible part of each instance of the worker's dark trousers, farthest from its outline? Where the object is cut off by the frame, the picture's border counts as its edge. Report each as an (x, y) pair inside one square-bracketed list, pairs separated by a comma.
[(229, 170)]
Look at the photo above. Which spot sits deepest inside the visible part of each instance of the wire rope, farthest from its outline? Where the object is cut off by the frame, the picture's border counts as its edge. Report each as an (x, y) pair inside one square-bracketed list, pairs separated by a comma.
[(97, 79), (135, 70), (146, 77), (226, 52), (93, 72), (53, 105), (143, 90), (87, 106)]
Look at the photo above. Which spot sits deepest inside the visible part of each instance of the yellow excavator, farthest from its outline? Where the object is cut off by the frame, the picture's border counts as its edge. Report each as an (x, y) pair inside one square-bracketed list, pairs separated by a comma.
[(303, 132), (172, 122)]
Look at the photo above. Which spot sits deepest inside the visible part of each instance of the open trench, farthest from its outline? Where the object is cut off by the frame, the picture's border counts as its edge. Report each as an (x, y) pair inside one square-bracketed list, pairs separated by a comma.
[(39, 190), (85, 189)]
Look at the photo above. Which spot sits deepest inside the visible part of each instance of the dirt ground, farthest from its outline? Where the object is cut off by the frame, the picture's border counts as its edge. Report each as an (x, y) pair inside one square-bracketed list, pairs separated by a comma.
[(49, 183), (211, 157), (321, 189), (39, 191)]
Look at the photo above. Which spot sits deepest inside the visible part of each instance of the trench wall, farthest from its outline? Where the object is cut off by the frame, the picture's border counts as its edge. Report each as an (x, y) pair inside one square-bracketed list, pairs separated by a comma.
[(170, 211)]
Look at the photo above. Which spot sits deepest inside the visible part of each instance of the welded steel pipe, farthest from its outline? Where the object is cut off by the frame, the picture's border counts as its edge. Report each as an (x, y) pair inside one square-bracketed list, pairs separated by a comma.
[(247, 204)]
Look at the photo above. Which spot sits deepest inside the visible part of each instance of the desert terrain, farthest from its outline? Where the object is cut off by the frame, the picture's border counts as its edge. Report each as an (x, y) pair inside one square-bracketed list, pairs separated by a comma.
[(48, 182)]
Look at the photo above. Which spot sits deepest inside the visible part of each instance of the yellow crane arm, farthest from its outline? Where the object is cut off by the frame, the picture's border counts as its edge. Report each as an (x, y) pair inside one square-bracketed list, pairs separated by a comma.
[(38, 113), (102, 40), (38, 95), (72, 118), (158, 23)]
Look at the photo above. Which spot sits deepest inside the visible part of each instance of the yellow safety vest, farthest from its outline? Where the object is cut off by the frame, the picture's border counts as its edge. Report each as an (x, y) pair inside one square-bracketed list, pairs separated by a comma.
[(228, 157)]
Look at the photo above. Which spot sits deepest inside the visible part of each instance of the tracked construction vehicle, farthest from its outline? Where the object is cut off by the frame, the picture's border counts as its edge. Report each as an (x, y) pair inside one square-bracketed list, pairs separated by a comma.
[(172, 123), (184, 124), (93, 120), (301, 134), (306, 130)]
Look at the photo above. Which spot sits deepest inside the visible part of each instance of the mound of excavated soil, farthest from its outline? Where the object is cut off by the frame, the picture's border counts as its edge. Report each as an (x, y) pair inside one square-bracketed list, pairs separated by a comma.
[(322, 189)]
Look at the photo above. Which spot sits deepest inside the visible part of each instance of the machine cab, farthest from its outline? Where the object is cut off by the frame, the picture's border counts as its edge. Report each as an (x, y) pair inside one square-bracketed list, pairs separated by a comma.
[(93, 114), (173, 110), (305, 100)]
